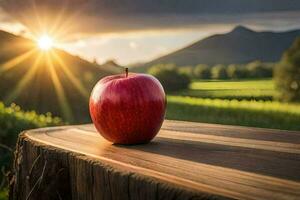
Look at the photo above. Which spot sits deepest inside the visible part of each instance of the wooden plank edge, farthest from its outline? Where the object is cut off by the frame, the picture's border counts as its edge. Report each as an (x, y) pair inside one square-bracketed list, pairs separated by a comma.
[(85, 178)]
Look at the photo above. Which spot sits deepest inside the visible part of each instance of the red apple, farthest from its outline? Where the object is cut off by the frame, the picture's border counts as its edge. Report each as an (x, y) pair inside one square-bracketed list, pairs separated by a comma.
[(129, 108)]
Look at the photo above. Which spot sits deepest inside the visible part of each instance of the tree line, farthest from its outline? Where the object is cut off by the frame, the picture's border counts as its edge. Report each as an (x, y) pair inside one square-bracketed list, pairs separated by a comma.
[(286, 73), (178, 77), (255, 69)]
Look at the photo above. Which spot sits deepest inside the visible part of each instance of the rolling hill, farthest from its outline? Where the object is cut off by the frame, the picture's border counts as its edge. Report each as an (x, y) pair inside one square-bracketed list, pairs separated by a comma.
[(55, 81), (241, 45)]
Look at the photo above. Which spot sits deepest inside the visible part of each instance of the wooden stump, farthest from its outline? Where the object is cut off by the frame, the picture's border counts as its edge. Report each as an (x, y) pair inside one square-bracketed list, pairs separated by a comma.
[(185, 161)]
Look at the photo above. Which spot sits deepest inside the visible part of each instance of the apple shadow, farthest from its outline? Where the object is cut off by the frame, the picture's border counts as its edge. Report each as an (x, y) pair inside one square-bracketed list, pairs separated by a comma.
[(264, 162)]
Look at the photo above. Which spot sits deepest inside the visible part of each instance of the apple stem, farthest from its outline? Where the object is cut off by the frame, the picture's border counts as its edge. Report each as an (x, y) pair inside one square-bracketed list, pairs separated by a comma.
[(126, 72)]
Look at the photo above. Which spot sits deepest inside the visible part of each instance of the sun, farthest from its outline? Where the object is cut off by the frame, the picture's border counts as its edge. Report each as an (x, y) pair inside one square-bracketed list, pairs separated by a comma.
[(45, 43)]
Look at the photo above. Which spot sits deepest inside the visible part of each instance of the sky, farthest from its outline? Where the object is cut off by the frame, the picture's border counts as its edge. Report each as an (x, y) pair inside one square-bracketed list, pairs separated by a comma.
[(132, 31)]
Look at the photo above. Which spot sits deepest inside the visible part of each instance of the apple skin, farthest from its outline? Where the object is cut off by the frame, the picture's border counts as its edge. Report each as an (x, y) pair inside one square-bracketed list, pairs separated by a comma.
[(128, 109)]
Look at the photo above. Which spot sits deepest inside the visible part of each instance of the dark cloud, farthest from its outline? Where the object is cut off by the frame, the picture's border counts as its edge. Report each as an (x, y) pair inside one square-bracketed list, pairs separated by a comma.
[(147, 7), (100, 16)]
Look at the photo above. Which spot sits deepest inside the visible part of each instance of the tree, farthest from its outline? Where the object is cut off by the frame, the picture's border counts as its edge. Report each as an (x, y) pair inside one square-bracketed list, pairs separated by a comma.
[(170, 78), (236, 71), (287, 74), (187, 70), (202, 71), (219, 72), (257, 69)]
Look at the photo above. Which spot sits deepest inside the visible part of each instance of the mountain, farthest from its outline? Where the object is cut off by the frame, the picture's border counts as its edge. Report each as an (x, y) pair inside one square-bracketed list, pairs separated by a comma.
[(241, 45), (53, 81)]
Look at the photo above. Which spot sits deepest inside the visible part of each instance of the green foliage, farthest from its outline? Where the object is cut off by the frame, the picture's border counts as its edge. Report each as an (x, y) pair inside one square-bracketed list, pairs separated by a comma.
[(287, 74), (12, 121), (219, 72), (253, 70), (236, 72), (3, 194), (202, 71), (170, 77), (187, 70), (265, 114), (257, 69)]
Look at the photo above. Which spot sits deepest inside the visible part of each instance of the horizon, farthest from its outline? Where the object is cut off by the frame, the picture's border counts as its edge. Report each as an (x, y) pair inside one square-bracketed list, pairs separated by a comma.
[(138, 38), (82, 56)]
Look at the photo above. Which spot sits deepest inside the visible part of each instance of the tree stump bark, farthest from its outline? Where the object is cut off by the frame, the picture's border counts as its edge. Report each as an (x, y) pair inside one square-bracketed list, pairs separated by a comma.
[(185, 161)]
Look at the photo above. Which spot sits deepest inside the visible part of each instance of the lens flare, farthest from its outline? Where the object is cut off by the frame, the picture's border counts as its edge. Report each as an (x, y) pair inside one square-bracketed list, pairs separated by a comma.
[(45, 43)]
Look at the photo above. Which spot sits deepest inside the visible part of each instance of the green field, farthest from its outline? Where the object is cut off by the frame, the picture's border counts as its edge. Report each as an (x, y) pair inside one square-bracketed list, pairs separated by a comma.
[(241, 90), (245, 103)]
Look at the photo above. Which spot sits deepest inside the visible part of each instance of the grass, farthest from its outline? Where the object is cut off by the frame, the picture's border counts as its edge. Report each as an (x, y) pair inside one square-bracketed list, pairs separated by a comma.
[(237, 89), (223, 110), (3, 194)]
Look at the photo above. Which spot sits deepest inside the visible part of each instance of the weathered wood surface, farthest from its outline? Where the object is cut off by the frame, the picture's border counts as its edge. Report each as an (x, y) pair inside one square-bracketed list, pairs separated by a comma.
[(185, 161)]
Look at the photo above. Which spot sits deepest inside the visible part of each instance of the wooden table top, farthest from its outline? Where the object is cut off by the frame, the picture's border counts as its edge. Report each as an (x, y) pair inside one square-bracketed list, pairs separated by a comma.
[(232, 161)]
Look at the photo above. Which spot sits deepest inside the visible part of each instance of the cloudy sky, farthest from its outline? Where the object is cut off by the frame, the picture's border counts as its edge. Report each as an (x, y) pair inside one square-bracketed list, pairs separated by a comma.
[(131, 31)]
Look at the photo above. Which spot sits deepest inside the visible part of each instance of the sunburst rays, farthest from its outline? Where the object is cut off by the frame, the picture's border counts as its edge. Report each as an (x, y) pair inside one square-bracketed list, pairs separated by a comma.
[(60, 17), (62, 99), (57, 26), (70, 75), (53, 61), (59, 89), (15, 61), (36, 15), (24, 81), (58, 23)]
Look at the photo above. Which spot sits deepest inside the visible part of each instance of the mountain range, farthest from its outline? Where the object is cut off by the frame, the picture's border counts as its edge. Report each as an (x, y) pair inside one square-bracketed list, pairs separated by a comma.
[(240, 45)]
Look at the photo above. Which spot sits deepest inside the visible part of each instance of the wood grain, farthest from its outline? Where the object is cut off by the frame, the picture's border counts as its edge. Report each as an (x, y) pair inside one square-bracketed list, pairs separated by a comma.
[(185, 161)]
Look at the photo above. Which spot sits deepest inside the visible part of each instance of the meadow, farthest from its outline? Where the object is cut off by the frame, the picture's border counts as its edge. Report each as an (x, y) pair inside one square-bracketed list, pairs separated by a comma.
[(242, 102), (260, 89)]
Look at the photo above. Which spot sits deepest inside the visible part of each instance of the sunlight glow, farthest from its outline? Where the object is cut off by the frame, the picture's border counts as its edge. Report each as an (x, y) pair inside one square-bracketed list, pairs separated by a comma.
[(45, 43), (16, 61), (76, 82), (42, 59), (24, 81), (62, 99)]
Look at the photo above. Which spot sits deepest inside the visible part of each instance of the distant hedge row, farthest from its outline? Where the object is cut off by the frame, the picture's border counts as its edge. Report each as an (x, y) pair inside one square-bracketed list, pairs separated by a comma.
[(170, 77), (255, 69), (175, 78)]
